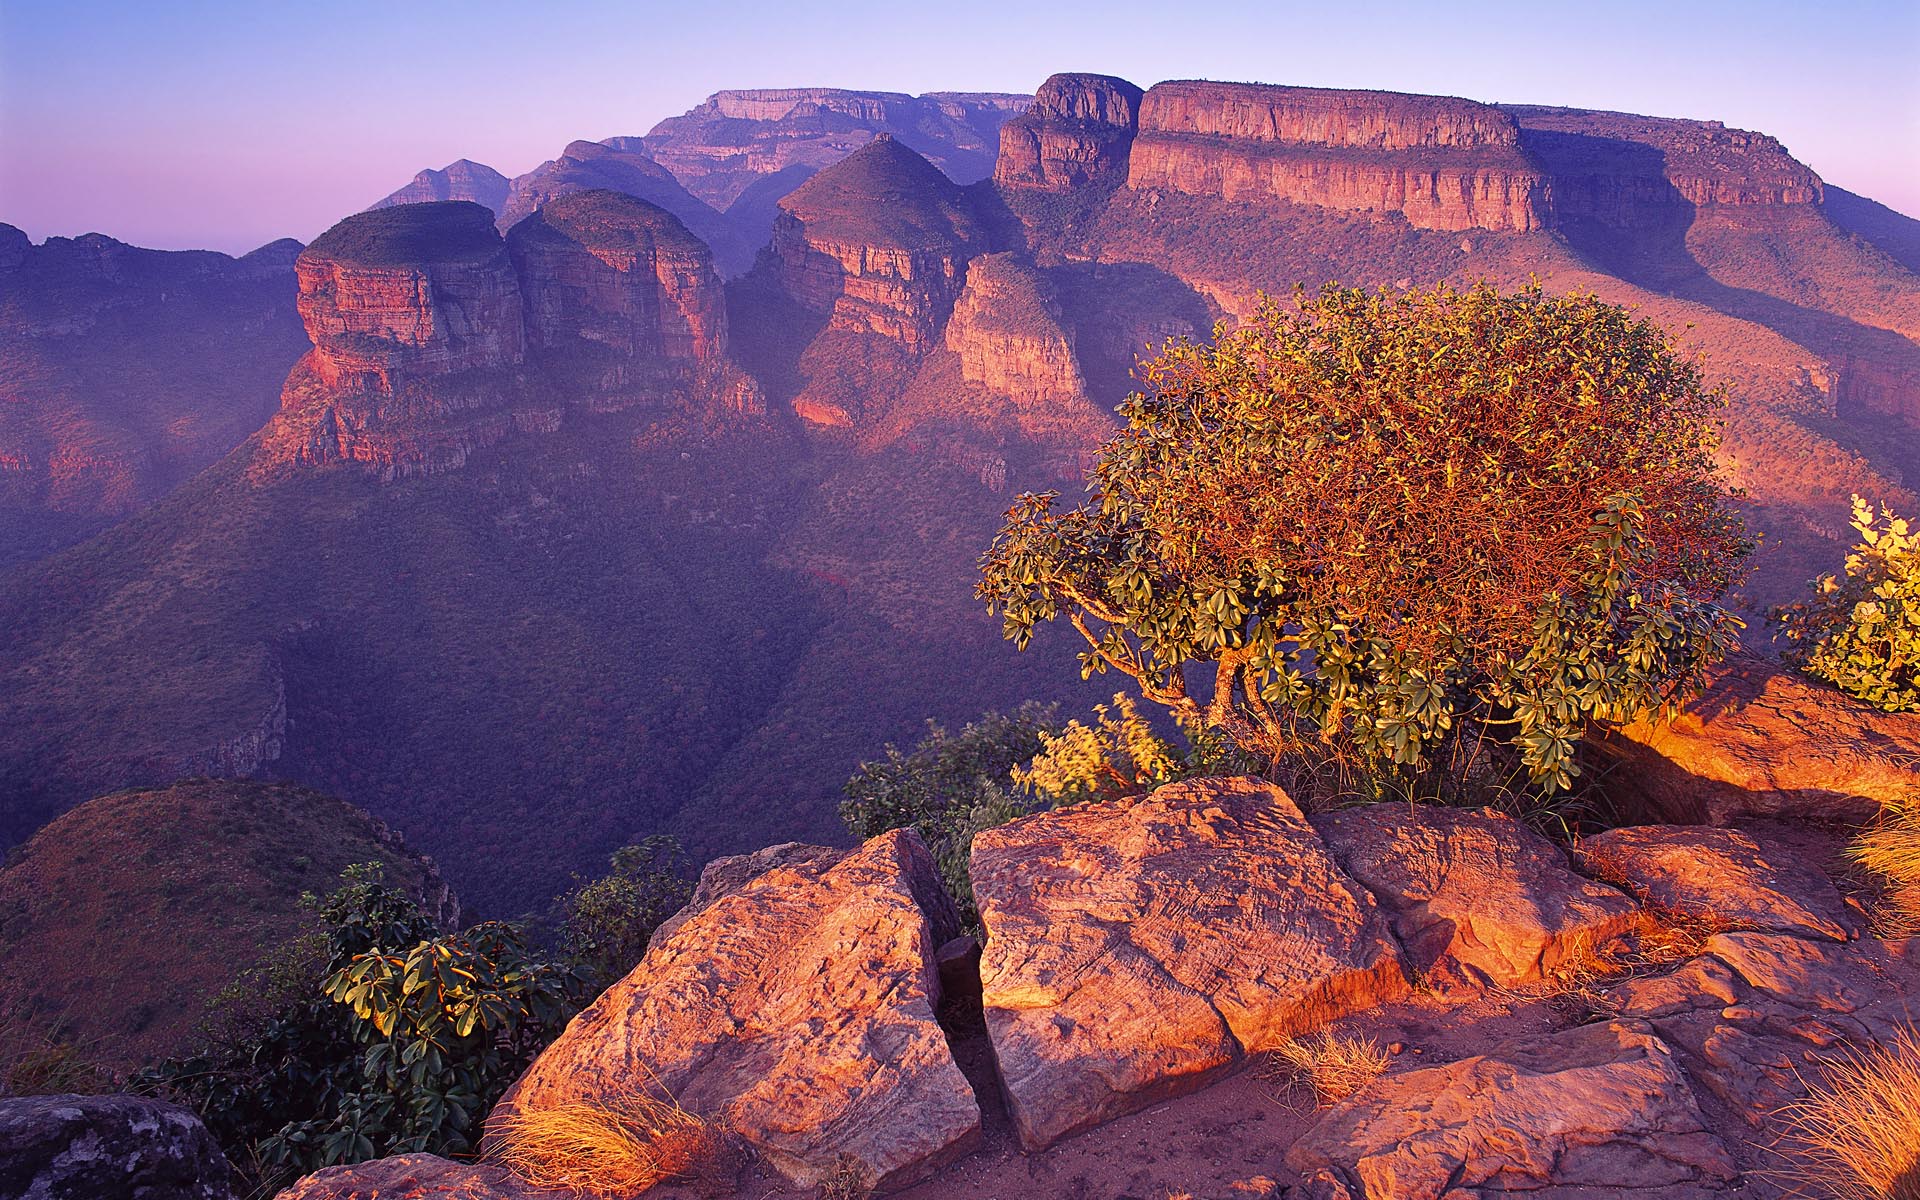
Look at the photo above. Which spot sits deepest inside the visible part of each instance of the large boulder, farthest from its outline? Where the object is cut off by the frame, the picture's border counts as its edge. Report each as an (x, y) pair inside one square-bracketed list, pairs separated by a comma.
[(107, 1148), (411, 1177), (1136, 948), (795, 1007), (1763, 742), (1600, 1106), (1477, 899), (1722, 876)]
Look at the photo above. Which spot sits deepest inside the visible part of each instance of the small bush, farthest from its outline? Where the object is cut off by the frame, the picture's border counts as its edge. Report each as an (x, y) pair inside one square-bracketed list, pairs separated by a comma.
[(1891, 851), (1857, 1134), (615, 1147), (1118, 755), (1861, 632), (1334, 1065), (608, 922)]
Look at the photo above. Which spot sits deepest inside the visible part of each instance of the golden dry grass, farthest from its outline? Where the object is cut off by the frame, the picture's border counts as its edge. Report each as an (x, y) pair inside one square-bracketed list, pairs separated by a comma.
[(616, 1147), (1891, 851), (1857, 1134), (1334, 1065)]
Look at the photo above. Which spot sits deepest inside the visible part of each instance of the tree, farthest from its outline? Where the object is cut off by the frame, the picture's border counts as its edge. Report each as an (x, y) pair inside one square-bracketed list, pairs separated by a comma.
[(1406, 528), (1861, 633)]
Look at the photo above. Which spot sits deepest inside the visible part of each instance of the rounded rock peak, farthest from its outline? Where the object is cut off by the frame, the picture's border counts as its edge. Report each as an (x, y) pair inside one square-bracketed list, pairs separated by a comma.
[(1082, 96), (883, 194), (438, 231), (602, 219)]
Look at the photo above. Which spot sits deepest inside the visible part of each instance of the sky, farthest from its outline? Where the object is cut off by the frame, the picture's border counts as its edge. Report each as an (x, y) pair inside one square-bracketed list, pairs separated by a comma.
[(224, 125)]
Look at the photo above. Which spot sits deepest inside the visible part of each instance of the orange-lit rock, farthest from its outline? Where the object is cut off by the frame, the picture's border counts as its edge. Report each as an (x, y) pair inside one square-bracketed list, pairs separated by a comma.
[(411, 1177), (1598, 1110), (1723, 875), (1136, 948), (1760, 741), (1076, 134), (1440, 162), (1007, 331), (1476, 898), (797, 1007)]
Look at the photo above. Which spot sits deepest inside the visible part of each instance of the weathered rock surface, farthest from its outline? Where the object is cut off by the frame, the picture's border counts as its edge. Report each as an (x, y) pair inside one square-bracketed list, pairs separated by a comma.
[(1755, 1013), (1441, 163), (624, 304), (1476, 898), (1006, 328), (1136, 948), (1721, 875), (798, 1009), (623, 164), (107, 1148), (1076, 135), (1762, 742), (459, 180), (1602, 1107), (411, 1177)]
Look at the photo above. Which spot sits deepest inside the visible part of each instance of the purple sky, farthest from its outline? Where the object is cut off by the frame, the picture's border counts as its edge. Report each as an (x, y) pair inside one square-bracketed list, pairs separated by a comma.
[(225, 125)]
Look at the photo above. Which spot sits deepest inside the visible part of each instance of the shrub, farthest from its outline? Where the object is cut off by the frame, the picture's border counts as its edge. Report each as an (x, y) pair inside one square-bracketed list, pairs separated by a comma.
[(1119, 754), (1403, 527), (1857, 1134), (1334, 1065), (619, 1146), (1861, 633), (607, 923)]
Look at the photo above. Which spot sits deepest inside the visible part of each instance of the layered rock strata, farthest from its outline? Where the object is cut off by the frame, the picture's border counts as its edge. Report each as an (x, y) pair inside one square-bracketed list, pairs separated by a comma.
[(1006, 327), (1720, 876), (794, 1002), (1076, 135), (1441, 163), (1137, 948)]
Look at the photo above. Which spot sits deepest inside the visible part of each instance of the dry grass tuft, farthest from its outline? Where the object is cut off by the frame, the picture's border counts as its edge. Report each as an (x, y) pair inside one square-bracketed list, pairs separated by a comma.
[(1334, 1065), (1857, 1134), (1891, 850), (616, 1147)]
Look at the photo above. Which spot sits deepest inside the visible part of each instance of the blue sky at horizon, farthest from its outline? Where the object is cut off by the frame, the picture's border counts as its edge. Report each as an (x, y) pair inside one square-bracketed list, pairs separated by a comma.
[(225, 125)]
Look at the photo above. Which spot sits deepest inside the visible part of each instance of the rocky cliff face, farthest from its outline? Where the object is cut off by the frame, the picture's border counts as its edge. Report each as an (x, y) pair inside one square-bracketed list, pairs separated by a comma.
[(1441, 163), (1077, 134), (623, 164), (1007, 330), (879, 242), (623, 302), (737, 144), (463, 179)]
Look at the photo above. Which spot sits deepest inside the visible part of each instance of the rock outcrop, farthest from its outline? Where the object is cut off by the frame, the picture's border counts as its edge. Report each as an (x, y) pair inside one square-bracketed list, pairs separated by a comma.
[(419, 341), (624, 306), (623, 164), (412, 1177), (1137, 948), (107, 1148), (1763, 742), (795, 1005), (1721, 876), (1076, 136), (1602, 1107), (1006, 327), (1441, 163), (462, 179), (1477, 899)]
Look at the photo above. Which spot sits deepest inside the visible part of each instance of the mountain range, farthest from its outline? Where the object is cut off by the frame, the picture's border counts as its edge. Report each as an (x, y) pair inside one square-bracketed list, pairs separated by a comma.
[(642, 492)]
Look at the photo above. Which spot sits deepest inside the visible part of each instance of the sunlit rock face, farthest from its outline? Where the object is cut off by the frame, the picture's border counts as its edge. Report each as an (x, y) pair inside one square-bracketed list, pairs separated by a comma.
[(1076, 135), (1006, 328), (1439, 162)]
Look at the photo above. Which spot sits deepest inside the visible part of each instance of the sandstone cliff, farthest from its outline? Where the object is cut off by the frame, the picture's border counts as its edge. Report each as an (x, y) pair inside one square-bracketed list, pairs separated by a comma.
[(1006, 328), (623, 304), (1441, 163), (623, 164), (1077, 133), (462, 179)]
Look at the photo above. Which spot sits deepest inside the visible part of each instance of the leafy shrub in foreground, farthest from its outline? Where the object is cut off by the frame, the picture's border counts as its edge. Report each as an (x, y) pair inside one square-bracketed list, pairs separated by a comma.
[(608, 922), (1861, 633), (1405, 528)]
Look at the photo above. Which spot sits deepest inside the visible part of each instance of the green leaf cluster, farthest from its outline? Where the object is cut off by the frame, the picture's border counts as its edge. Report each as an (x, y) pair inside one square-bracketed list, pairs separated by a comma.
[(1861, 631), (606, 923)]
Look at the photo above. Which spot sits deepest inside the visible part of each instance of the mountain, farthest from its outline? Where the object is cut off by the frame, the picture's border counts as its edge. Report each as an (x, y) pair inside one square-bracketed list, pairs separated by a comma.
[(558, 539), (123, 371), (122, 918), (462, 179)]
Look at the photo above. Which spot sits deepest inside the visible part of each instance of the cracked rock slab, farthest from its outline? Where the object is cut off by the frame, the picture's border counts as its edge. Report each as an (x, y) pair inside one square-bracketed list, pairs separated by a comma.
[(1597, 1110), (1722, 875), (1135, 948), (1476, 898), (794, 1005)]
